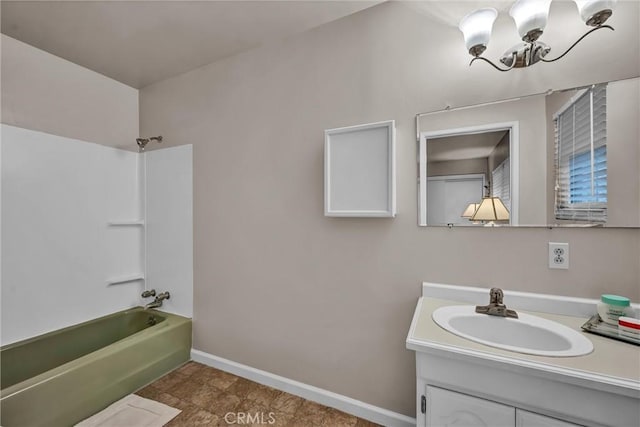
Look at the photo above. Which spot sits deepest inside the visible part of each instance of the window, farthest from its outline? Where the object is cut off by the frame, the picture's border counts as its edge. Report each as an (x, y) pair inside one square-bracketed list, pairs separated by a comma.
[(500, 183), (583, 188), (581, 157)]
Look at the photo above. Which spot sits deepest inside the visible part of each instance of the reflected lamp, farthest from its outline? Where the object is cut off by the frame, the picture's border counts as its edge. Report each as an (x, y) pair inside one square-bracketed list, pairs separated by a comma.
[(470, 210), (491, 209)]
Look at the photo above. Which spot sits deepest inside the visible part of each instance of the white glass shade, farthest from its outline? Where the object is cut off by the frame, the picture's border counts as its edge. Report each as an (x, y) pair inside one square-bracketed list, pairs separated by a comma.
[(470, 210), (588, 8), (476, 27), (491, 209), (530, 16)]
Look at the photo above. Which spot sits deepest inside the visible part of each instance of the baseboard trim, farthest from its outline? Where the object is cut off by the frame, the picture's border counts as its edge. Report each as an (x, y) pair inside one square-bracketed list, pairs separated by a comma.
[(324, 397)]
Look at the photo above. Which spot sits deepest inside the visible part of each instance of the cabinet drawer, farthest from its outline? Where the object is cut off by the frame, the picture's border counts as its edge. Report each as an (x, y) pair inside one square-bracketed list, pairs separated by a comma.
[(450, 409)]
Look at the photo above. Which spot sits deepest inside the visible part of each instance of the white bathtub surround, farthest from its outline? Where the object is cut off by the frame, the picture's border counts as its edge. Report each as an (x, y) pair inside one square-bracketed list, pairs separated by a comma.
[(59, 254), (324, 397), (493, 383), (169, 226), (73, 230)]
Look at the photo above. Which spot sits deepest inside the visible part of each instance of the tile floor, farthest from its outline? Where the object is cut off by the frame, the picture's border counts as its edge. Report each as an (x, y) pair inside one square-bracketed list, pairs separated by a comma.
[(205, 395)]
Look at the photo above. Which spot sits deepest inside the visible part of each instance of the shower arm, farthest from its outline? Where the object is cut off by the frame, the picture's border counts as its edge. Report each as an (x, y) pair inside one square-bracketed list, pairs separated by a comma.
[(142, 142)]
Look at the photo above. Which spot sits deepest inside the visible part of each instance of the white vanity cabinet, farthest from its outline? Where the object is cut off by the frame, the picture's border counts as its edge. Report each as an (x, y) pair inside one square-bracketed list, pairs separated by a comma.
[(445, 408), (463, 383)]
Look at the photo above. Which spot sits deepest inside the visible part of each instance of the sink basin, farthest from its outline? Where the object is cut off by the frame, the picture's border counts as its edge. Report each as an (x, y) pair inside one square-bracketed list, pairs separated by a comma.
[(528, 334)]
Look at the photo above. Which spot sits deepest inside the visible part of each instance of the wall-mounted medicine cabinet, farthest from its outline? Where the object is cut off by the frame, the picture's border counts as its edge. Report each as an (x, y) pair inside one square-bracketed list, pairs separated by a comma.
[(359, 171)]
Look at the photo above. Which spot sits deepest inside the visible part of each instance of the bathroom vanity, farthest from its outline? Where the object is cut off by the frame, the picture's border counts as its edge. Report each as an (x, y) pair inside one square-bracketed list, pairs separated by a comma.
[(465, 383)]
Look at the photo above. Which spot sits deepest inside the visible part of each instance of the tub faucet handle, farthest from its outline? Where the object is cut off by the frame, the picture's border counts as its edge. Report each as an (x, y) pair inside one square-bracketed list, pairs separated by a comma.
[(149, 293)]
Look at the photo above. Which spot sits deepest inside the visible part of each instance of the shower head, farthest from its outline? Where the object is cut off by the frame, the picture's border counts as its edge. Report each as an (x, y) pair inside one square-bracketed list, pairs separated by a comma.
[(142, 142)]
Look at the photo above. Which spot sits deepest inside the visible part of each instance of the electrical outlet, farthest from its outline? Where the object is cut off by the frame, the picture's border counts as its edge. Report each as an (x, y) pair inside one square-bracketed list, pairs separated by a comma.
[(559, 255)]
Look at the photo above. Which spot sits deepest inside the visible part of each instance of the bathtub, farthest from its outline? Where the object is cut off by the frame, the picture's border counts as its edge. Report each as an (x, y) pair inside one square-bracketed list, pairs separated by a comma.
[(60, 378)]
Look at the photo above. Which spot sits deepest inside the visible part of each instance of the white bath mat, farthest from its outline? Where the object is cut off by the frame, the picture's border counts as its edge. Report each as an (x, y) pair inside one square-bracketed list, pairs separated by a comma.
[(132, 411)]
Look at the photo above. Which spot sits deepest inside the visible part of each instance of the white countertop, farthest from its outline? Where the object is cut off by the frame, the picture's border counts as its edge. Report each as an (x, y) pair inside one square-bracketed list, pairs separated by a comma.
[(611, 362)]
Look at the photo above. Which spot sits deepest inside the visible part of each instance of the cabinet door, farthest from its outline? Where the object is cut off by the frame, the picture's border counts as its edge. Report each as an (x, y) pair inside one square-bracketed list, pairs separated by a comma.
[(530, 419), (359, 171), (450, 409)]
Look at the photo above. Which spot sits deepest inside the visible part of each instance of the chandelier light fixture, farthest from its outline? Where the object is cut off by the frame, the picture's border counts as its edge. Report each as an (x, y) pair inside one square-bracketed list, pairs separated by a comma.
[(530, 17)]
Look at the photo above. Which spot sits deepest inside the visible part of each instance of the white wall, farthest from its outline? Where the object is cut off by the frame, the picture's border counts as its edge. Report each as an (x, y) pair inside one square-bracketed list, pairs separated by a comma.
[(58, 249), (169, 226)]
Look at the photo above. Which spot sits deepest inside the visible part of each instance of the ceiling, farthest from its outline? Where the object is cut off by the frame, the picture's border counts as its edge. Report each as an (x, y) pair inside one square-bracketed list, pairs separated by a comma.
[(142, 42), (451, 12), (462, 147)]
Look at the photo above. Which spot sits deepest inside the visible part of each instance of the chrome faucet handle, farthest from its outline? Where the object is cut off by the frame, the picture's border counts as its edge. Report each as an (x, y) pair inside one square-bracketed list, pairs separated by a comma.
[(164, 295), (496, 305), (157, 301), (149, 293), (496, 296)]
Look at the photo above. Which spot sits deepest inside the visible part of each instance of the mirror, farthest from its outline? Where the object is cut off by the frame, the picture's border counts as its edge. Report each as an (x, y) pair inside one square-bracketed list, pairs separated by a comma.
[(567, 158)]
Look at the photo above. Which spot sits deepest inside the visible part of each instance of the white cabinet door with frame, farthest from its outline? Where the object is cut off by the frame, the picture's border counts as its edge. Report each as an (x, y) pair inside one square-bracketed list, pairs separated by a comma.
[(359, 171), (450, 409)]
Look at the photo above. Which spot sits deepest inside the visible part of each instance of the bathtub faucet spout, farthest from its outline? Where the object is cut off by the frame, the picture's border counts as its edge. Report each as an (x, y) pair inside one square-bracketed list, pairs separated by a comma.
[(157, 302)]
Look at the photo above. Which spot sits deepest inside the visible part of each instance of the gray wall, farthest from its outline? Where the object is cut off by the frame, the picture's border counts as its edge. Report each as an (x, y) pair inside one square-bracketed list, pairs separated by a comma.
[(328, 301), (43, 92), (623, 153), (500, 154)]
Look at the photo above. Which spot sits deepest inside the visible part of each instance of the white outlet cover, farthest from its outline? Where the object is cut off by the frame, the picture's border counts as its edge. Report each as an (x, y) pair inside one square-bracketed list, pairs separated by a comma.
[(559, 255)]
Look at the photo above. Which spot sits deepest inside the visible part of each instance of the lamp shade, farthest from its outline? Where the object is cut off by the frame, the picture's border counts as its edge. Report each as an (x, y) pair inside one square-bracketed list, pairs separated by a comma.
[(589, 9), (530, 17), (491, 209), (470, 210), (476, 28)]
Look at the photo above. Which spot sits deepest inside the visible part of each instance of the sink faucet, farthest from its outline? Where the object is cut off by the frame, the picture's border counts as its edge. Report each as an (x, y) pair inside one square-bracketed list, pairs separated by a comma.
[(496, 306), (157, 302)]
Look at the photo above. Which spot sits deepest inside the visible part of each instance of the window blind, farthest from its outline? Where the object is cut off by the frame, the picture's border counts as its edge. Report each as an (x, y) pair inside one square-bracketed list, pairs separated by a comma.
[(581, 157), (501, 183)]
